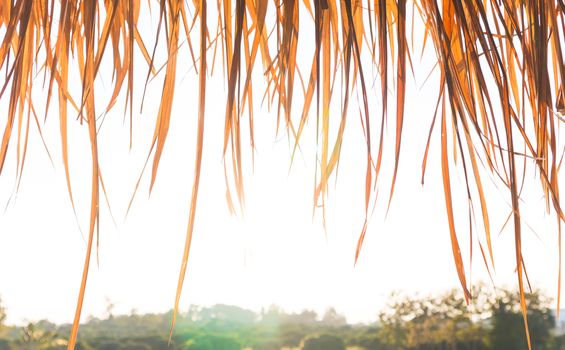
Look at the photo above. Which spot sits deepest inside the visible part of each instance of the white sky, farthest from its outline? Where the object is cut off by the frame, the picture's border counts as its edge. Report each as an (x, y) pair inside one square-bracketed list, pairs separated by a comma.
[(275, 253)]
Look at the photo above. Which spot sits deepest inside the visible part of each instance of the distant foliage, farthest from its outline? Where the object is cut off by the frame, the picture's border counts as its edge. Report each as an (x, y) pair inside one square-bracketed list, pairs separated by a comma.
[(2, 314), (506, 319), (324, 342), (212, 342), (496, 323), (444, 322)]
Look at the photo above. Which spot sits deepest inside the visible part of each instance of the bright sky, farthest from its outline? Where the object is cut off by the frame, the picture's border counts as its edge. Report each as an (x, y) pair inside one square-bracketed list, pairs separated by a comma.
[(275, 253)]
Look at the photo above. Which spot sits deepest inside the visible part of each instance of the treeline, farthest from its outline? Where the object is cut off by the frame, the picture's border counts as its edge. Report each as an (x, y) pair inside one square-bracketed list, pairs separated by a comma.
[(444, 322)]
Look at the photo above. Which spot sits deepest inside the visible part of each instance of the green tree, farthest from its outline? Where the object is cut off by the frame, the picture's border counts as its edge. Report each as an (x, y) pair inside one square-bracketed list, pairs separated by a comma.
[(109, 345), (212, 342), (135, 345), (507, 332), (5, 344), (226, 313), (41, 336), (272, 316), (323, 342), (305, 317), (333, 318), (368, 340), (267, 345), (81, 345), (290, 335), (2, 314), (434, 322)]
